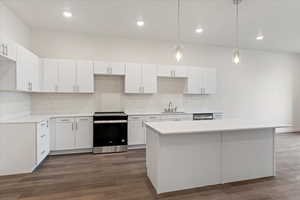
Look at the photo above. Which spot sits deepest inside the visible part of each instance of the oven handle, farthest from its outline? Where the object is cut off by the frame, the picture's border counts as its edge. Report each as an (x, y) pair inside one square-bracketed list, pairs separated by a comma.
[(111, 122)]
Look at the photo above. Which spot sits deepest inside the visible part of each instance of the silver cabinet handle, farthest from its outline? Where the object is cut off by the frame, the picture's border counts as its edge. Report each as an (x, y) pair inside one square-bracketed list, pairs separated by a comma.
[(43, 152), (174, 73), (111, 122), (72, 126), (56, 88), (76, 125), (42, 136), (6, 50)]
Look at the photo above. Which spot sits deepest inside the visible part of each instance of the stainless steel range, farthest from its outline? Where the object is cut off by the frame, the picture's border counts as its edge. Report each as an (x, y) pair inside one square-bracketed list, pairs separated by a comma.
[(110, 132)]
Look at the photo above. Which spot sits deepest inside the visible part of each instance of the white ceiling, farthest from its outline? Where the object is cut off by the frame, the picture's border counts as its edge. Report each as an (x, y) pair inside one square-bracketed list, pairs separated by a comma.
[(277, 19)]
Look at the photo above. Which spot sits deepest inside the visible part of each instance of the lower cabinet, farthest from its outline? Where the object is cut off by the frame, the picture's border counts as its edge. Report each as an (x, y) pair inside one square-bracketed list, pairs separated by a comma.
[(137, 130), (73, 133), (43, 141)]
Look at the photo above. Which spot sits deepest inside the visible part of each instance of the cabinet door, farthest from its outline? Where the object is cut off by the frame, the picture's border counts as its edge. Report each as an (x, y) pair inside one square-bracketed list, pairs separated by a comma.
[(23, 69), (210, 81), (50, 75), (67, 76), (117, 68), (64, 134), (85, 77), (84, 133), (101, 67), (10, 49), (136, 131), (34, 78), (195, 83), (149, 78), (133, 78)]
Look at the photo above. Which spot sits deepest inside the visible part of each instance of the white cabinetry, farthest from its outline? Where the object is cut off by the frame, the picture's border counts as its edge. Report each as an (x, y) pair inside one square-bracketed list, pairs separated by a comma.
[(22, 153), (137, 129), (73, 133), (27, 70), (67, 76), (136, 132), (109, 68), (84, 77), (22, 75), (201, 81), (43, 141), (49, 73), (8, 49), (140, 78), (172, 71)]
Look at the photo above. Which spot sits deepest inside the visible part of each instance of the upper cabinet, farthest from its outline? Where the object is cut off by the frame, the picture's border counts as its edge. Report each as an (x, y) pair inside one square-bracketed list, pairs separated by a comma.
[(201, 81), (109, 68), (85, 76), (67, 76), (140, 78), (27, 70), (8, 49), (22, 75), (172, 71)]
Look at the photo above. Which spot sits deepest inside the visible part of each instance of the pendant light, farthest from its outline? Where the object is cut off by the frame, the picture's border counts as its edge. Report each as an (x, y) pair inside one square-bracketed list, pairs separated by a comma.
[(236, 52), (178, 54)]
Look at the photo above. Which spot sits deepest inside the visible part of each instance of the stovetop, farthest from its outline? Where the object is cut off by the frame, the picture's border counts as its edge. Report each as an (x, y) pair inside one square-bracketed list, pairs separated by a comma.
[(110, 114)]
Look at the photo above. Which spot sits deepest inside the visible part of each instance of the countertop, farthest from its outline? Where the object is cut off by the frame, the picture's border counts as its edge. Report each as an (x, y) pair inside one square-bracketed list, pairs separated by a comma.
[(39, 118), (186, 127)]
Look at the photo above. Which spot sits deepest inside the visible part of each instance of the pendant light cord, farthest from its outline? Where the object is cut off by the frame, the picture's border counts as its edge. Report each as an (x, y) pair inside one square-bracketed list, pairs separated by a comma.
[(178, 21), (237, 24)]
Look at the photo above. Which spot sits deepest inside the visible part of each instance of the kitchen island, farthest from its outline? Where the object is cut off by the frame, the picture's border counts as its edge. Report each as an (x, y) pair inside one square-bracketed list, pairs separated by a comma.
[(188, 154)]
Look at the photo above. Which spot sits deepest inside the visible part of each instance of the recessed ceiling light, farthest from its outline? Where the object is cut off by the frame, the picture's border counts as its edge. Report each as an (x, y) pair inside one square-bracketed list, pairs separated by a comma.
[(140, 23), (199, 30), (67, 14), (259, 37)]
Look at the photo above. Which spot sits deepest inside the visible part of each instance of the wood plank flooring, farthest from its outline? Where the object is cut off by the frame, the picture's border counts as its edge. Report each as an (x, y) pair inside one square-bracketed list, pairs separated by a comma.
[(123, 177)]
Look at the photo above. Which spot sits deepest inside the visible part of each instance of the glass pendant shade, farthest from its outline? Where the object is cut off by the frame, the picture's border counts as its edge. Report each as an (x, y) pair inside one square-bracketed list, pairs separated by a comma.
[(236, 56), (178, 54)]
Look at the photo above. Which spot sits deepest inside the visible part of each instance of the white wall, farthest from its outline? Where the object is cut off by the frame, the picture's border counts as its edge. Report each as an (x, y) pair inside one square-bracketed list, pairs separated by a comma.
[(263, 87), (14, 103)]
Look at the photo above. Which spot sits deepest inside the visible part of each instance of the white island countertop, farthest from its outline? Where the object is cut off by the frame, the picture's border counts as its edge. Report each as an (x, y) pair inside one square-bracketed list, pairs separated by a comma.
[(185, 127)]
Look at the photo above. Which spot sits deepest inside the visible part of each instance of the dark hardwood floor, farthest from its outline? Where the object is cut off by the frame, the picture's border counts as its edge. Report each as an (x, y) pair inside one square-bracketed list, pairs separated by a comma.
[(123, 176)]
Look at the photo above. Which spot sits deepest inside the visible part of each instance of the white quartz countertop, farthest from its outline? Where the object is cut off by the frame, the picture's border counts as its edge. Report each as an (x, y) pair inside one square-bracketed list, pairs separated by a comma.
[(39, 118), (183, 127)]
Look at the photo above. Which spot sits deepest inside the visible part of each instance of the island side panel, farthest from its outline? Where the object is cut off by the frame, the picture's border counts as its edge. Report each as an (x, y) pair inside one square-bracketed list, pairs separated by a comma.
[(247, 154), (152, 156), (189, 161)]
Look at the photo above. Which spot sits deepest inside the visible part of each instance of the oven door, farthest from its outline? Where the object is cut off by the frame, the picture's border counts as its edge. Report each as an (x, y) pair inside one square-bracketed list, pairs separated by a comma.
[(110, 133)]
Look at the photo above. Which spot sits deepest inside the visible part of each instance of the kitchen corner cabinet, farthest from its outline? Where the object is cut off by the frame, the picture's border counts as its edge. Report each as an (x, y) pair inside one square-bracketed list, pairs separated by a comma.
[(22, 75), (109, 68), (8, 49), (172, 71), (22, 153), (201, 81), (67, 76), (28, 71), (72, 133), (140, 78)]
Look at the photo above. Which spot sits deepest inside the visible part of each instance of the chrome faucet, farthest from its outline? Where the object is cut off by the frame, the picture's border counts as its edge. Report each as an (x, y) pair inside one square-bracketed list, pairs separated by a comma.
[(171, 107)]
